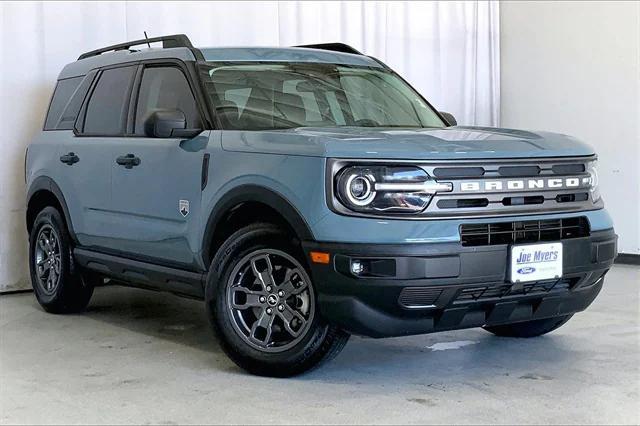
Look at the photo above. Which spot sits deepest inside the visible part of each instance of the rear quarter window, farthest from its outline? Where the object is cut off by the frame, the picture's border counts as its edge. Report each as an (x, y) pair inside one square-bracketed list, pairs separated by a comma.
[(61, 96), (66, 102)]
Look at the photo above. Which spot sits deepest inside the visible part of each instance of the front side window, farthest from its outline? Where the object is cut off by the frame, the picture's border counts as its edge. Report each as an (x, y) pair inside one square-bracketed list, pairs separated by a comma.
[(165, 88), (276, 96), (107, 109)]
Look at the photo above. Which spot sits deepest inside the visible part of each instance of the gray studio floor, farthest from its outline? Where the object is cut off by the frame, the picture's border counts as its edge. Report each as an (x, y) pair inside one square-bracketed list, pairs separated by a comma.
[(143, 357)]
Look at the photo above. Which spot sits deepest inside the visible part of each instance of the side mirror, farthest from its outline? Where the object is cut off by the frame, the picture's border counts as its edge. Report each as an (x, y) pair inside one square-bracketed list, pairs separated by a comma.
[(451, 120), (168, 124)]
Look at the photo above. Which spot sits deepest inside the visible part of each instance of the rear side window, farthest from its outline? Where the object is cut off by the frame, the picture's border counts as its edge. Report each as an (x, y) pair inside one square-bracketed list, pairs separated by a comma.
[(107, 109), (165, 88), (61, 97)]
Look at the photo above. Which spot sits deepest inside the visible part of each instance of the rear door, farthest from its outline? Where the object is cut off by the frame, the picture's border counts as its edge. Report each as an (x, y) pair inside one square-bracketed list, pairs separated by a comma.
[(156, 197), (98, 117)]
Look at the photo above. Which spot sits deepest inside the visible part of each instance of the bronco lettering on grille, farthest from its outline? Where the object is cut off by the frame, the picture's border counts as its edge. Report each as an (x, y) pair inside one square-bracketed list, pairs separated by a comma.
[(525, 184)]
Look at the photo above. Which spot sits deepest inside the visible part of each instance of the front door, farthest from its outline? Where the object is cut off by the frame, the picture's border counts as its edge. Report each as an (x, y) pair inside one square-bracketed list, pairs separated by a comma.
[(156, 182)]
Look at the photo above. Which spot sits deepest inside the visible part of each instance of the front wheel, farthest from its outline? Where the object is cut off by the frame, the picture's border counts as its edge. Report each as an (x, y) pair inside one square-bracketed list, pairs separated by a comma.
[(262, 305), (529, 328)]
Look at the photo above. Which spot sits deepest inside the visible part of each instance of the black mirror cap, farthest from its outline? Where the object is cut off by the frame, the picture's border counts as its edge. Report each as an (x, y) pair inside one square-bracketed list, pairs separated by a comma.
[(168, 124), (450, 119)]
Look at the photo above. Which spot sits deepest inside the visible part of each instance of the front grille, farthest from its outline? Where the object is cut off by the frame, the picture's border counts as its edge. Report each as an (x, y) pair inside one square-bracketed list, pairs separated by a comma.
[(531, 231), (510, 187), (485, 293)]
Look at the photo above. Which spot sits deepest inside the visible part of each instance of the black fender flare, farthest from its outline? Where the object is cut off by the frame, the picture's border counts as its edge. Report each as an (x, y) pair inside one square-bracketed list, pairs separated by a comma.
[(256, 193), (45, 183)]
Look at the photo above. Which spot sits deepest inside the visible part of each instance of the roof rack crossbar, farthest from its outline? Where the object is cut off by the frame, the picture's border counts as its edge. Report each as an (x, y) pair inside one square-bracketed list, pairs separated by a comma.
[(176, 40), (335, 47)]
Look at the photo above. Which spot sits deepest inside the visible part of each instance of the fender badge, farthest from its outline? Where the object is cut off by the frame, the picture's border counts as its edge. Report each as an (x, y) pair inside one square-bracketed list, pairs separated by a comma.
[(183, 207)]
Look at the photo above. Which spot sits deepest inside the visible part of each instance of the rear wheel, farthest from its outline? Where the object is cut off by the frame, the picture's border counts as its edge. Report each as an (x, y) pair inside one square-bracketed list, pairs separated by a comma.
[(57, 284), (262, 305), (529, 328)]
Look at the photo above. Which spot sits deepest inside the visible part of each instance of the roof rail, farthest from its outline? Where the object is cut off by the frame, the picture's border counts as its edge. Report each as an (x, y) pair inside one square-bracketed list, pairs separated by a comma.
[(335, 47), (176, 40)]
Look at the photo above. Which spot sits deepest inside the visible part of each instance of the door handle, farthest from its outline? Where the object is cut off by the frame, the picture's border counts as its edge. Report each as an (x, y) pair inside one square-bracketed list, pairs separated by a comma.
[(128, 161), (70, 159)]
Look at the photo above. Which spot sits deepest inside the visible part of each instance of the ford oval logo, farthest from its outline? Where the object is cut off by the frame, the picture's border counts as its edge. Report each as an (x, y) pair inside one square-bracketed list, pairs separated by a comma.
[(526, 270)]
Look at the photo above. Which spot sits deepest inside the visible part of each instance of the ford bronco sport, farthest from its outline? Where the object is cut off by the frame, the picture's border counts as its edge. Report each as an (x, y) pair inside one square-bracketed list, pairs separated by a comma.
[(305, 194)]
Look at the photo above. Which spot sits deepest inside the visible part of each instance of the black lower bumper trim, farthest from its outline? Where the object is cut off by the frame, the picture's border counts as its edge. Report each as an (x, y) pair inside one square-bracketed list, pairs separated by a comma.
[(436, 287), (359, 318)]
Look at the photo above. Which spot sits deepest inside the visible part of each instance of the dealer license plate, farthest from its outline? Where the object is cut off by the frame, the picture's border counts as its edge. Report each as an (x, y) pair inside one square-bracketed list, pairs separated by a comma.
[(536, 262)]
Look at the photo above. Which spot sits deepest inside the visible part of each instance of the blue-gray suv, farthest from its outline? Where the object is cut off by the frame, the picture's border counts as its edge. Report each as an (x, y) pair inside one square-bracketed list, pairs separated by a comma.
[(305, 194)]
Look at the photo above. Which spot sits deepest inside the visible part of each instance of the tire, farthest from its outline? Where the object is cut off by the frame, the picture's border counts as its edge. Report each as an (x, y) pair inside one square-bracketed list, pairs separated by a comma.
[(529, 328), (295, 338), (58, 285)]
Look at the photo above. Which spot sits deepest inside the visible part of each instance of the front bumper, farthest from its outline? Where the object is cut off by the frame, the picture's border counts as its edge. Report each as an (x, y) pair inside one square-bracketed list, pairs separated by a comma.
[(423, 288)]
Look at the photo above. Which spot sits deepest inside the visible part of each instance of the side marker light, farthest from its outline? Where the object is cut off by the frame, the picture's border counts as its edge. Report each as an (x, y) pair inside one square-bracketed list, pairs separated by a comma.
[(320, 257)]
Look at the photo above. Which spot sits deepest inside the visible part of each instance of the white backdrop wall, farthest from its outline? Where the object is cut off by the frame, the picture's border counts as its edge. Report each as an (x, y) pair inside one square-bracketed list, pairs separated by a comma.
[(448, 51), (574, 67)]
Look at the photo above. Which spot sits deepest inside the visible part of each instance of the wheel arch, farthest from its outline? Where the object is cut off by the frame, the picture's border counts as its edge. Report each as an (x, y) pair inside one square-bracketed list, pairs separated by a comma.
[(45, 192), (253, 200)]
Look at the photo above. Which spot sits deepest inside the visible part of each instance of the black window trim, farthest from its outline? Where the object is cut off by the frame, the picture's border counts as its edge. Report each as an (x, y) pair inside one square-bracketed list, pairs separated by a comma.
[(189, 70)]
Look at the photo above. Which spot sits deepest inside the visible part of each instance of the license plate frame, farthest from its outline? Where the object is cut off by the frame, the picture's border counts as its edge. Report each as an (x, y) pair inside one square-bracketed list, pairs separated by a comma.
[(535, 262)]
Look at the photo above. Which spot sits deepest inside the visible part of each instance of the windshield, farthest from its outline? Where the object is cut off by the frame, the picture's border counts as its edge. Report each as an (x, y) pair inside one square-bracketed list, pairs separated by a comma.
[(258, 96)]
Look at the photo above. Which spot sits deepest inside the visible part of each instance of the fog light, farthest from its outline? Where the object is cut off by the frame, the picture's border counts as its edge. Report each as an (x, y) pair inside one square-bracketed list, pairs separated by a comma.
[(357, 267), (366, 267)]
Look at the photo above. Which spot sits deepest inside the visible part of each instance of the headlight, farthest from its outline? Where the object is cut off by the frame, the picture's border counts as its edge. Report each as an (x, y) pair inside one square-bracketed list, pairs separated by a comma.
[(389, 189), (593, 180)]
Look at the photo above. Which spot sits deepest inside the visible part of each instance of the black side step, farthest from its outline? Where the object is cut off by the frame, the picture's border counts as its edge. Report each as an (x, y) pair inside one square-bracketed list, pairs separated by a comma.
[(142, 274)]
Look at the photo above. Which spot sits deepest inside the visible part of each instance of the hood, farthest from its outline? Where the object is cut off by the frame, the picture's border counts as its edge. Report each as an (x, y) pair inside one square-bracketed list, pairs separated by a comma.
[(412, 144)]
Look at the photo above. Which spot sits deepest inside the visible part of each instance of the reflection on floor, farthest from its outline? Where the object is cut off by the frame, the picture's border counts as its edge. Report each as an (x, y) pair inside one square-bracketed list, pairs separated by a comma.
[(144, 357)]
